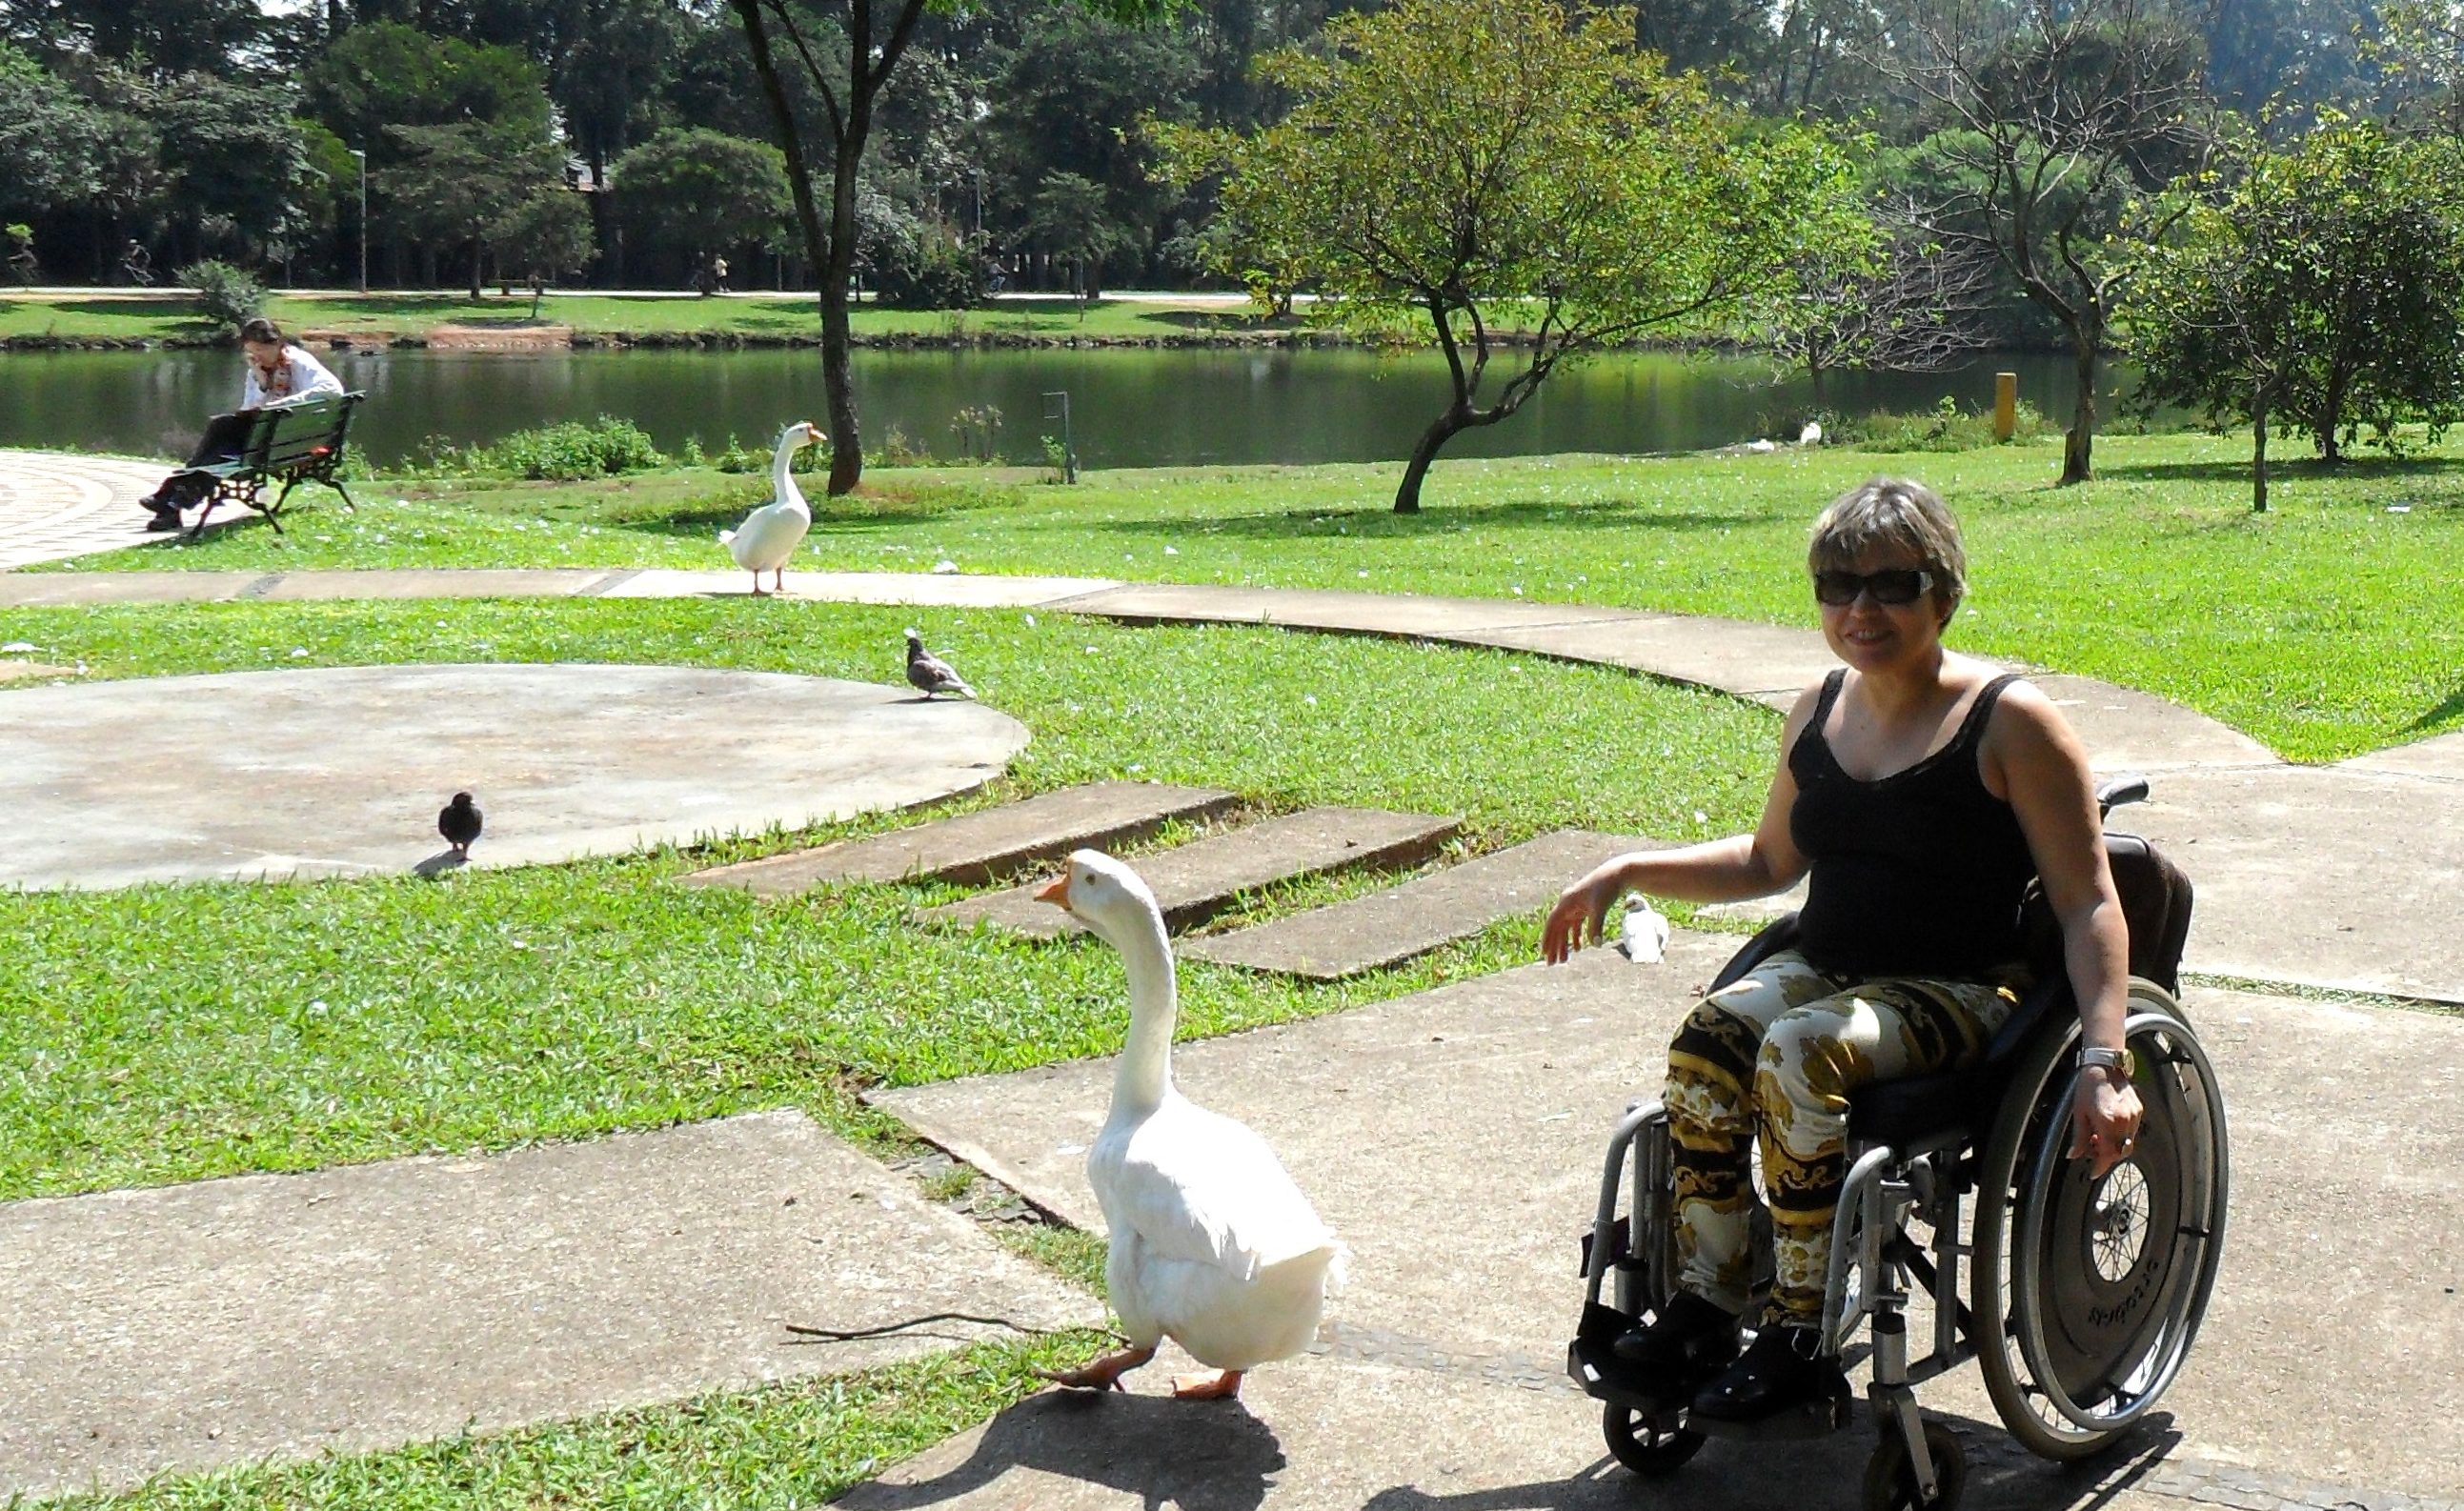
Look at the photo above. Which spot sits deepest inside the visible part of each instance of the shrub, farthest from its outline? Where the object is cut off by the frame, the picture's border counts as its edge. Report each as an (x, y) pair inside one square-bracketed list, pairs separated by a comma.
[(738, 457), (1945, 427), (230, 295), (975, 427), (568, 451)]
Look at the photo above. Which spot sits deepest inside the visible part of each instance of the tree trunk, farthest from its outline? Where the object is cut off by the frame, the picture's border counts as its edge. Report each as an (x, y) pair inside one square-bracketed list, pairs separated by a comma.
[(1407, 494), (2077, 446), (475, 270), (2258, 458), (838, 342), (2331, 415)]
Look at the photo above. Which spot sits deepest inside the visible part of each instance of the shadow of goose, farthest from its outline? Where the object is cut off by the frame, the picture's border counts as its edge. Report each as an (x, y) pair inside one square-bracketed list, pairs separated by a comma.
[(1190, 1456)]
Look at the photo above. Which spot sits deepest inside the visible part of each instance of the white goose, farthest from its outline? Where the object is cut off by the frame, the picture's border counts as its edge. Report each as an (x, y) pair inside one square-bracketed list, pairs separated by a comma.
[(1212, 1244), (770, 534)]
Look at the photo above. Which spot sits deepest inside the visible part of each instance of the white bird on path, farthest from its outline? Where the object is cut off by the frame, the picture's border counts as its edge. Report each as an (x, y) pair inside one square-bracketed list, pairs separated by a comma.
[(1212, 1244), (1812, 434), (929, 674), (770, 534)]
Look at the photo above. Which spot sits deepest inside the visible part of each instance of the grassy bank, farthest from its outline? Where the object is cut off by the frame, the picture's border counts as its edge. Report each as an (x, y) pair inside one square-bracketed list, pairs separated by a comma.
[(2326, 628), (121, 318)]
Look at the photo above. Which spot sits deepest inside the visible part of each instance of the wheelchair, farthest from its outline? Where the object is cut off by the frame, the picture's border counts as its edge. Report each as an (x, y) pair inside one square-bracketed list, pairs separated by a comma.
[(2082, 1296)]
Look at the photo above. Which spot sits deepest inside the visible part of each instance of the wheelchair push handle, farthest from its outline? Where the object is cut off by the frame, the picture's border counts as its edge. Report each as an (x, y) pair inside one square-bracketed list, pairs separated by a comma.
[(2112, 792)]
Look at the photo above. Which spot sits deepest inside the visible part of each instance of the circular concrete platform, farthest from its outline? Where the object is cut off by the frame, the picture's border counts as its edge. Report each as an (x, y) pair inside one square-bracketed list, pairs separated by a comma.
[(341, 770)]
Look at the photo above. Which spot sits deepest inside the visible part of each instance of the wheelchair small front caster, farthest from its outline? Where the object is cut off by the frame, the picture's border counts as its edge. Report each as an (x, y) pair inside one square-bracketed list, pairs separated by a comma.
[(1891, 1479), (1642, 1445)]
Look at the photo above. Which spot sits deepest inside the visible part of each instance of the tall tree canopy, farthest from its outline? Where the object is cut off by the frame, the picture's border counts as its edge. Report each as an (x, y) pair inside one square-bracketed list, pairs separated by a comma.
[(1481, 164)]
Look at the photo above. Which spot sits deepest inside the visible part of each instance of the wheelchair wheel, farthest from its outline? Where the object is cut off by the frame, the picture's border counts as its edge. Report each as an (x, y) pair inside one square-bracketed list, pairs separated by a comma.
[(1891, 1479), (2088, 1293), (1643, 1446)]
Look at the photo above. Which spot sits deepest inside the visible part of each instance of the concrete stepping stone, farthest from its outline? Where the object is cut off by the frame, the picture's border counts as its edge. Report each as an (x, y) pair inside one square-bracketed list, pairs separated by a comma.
[(222, 1322), (1196, 881), (975, 847), (1327, 944)]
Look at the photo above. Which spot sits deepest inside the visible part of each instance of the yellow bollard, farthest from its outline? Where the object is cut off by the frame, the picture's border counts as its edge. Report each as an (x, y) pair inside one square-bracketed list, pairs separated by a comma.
[(2006, 405)]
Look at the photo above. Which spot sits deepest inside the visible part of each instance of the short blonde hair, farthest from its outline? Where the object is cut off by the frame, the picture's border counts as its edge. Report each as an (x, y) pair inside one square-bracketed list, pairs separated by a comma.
[(1892, 514)]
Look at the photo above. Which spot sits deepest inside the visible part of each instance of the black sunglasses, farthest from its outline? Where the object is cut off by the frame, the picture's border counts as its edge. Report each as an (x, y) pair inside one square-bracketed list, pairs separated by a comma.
[(1898, 586)]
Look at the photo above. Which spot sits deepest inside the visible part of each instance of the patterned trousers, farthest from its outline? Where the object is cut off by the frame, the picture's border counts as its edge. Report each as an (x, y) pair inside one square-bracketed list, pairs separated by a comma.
[(1773, 1056)]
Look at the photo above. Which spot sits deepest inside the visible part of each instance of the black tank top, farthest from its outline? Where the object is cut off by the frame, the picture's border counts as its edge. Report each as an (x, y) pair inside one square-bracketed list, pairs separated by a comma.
[(1916, 873)]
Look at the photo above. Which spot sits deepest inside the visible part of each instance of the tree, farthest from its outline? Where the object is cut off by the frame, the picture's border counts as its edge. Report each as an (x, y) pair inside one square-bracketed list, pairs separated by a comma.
[(163, 36), (45, 136), (699, 193), (848, 65), (2325, 283), (547, 235), (1899, 303), (238, 162), (1467, 162), (459, 183), (2057, 122), (1072, 218)]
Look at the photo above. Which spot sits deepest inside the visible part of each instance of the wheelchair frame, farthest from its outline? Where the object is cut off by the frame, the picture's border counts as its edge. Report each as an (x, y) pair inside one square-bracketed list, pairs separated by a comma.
[(2042, 1237)]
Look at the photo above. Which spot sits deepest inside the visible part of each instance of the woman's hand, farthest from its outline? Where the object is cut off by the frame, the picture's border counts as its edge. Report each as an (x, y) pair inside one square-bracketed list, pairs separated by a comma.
[(2104, 1120), (1581, 913)]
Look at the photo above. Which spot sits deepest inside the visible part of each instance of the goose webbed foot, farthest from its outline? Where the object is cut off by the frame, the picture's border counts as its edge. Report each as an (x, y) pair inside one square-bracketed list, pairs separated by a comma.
[(1216, 1384), (1104, 1374)]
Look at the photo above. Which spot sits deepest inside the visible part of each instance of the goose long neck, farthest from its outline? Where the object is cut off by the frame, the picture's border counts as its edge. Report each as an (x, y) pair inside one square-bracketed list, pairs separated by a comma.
[(1145, 1071), (782, 483)]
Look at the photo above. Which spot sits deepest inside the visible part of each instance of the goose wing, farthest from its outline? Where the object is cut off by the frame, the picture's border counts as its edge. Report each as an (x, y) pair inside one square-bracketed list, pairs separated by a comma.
[(1201, 1187)]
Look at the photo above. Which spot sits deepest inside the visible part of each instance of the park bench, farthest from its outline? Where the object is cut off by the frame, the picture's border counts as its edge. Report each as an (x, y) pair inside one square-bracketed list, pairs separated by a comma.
[(295, 444)]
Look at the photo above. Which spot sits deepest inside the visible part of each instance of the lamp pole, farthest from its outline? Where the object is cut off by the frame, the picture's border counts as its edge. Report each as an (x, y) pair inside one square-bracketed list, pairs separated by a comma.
[(364, 218)]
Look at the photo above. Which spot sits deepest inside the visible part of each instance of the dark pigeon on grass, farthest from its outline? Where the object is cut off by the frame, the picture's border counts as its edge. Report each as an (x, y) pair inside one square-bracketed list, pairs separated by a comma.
[(929, 674), (459, 822)]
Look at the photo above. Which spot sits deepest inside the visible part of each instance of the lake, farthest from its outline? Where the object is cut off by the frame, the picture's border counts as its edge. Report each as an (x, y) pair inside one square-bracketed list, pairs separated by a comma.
[(1128, 408)]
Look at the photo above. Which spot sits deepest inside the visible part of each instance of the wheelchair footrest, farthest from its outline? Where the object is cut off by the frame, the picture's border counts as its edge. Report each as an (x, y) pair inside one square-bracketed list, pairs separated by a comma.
[(1591, 1363), (1814, 1420)]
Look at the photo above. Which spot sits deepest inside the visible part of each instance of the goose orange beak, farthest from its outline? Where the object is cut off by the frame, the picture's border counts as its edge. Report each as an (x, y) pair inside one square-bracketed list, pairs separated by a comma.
[(1055, 891)]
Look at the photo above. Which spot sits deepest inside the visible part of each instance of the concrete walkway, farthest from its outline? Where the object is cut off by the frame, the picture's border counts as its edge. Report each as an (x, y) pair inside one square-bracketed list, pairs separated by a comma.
[(2341, 876), (1453, 1137), (341, 770), (191, 1327)]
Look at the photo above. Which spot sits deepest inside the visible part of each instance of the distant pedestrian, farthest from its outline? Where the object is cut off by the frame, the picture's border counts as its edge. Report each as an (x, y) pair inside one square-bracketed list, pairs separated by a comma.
[(718, 272)]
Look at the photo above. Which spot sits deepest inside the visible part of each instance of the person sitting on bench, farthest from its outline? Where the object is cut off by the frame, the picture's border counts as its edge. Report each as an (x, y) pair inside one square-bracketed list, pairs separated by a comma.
[(278, 374)]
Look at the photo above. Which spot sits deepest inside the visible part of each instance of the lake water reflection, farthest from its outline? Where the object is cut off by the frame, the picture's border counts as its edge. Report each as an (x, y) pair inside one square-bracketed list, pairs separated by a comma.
[(1136, 408)]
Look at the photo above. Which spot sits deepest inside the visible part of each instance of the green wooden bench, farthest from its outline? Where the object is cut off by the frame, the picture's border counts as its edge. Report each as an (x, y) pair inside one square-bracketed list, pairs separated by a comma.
[(295, 443)]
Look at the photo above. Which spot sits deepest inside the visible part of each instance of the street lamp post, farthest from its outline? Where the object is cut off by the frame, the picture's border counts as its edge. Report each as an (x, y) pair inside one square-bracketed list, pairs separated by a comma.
[(364, 217)]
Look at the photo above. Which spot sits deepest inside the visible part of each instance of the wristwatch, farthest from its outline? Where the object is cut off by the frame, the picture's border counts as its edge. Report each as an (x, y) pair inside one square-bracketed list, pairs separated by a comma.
[(2091, 1056)]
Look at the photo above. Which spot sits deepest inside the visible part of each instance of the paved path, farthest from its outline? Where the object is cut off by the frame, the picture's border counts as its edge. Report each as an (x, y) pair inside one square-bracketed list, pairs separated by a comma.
[(340, 770), (55, 505), (1453, 1138), (190, 1326), (2341, 876)]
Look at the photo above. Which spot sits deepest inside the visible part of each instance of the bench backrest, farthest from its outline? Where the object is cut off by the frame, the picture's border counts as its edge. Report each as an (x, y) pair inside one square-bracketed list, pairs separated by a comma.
[(301, 435)]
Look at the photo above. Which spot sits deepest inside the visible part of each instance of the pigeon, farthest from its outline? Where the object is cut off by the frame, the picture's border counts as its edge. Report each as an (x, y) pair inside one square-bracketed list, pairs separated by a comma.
[(458, 821), (927, 673)]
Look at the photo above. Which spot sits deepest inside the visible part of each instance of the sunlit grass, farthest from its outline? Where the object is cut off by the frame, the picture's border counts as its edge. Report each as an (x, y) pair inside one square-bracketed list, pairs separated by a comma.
[(2324, 628), (169, 1032)]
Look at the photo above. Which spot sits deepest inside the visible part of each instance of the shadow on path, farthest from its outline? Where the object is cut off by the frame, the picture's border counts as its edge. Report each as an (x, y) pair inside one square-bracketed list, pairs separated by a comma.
[(1192, 1455)]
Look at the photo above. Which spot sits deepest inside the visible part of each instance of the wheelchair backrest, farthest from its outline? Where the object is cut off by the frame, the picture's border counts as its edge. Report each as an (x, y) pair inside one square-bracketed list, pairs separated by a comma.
[(2155, 905)]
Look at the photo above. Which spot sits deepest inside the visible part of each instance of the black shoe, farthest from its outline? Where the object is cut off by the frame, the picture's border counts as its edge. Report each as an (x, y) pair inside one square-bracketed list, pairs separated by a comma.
[(1685, 1345), (163, 523), (1784, 1371)]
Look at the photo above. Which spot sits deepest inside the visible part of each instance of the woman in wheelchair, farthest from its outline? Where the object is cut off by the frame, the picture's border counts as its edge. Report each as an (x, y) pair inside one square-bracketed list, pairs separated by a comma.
[(1918, 793)]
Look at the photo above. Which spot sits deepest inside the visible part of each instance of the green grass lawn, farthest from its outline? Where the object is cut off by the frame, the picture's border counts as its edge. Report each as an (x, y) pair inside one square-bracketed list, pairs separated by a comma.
[(173, 1032), (2326, 628), (777, 317)]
